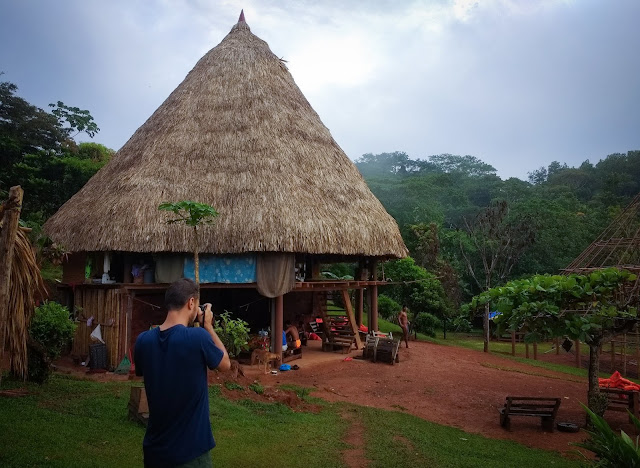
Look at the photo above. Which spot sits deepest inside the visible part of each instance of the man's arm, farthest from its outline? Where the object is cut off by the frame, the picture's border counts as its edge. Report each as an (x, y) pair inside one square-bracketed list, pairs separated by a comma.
[(225, 363)]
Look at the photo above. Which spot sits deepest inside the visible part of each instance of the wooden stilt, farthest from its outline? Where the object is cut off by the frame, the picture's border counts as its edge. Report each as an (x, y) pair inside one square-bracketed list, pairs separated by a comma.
[(613, 355), (276, 335), (359, 306), (578, 357), (374, 307), (513, 343), (535, 351), (557, 345), (624, 354), (526, 350)]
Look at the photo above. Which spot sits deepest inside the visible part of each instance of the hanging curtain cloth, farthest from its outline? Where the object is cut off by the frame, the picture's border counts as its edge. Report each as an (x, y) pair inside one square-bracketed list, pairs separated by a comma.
[(275, 273)]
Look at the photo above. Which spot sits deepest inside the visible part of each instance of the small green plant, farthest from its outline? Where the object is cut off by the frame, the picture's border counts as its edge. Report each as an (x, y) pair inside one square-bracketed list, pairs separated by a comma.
[(612, 450), (426, 323), (193, 214), (229, 385), (52, 328), (301, 392), (257, 387), (387, 307), (234, 333)]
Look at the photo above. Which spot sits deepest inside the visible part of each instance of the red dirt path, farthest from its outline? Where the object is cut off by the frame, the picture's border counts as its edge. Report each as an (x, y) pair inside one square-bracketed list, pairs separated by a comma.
[(451, 386)]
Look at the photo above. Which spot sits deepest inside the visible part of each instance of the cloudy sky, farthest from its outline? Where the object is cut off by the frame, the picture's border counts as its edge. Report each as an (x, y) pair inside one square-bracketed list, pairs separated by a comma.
[(516, 83)]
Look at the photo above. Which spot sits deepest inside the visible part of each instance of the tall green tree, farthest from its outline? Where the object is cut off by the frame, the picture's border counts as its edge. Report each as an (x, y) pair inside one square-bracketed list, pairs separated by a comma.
[(496, 246), (592, 308)]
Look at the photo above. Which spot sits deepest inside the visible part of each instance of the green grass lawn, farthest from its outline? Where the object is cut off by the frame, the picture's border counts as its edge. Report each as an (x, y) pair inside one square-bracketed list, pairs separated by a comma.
[(77, 423)]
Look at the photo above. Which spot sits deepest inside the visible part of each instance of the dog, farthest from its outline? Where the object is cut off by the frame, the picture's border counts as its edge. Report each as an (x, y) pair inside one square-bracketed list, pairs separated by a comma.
[(263, 357), (236, 369)]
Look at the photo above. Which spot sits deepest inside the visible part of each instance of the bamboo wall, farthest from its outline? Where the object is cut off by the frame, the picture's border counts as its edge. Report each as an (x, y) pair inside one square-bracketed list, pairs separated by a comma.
[(107, 308)]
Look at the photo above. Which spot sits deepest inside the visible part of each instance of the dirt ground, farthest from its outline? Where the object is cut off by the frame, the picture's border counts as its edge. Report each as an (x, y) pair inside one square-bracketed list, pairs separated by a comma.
[(444, 384), (447, 385)]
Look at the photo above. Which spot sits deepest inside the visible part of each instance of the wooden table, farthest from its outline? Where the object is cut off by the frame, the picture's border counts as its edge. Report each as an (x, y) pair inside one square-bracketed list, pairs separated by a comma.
[(617, 402)]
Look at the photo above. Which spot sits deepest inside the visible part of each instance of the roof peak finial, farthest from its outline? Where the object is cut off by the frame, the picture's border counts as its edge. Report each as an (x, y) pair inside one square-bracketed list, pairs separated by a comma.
[(241, 16)]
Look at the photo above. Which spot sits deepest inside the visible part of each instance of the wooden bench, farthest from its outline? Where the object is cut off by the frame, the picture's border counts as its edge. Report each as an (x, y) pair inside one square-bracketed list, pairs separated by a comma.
[(344, 343), (541, 407), (622, 400)]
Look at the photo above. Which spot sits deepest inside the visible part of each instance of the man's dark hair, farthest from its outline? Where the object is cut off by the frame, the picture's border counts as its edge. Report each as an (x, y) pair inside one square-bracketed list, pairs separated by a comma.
[(180, 292)]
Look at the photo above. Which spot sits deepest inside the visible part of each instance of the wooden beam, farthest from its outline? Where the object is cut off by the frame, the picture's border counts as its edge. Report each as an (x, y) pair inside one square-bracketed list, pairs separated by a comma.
[(374, 308), (359, 306), (11, 217), (352, 320)]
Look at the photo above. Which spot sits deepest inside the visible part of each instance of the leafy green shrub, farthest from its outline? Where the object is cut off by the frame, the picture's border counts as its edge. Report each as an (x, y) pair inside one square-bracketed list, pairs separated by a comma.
[(420, 290), (387, 307), (461, 324), (52, 328), (612, 450), (234, 333), (426, 323)]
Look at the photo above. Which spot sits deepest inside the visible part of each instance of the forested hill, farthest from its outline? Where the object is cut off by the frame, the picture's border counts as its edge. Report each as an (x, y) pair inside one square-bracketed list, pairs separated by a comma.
[(567, 207)]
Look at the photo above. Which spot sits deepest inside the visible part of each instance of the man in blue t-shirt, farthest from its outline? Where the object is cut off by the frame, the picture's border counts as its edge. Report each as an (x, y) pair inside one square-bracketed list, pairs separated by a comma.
[(173, 359)]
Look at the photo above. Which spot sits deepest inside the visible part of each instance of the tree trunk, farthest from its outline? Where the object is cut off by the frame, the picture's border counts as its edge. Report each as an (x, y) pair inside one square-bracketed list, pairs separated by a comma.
[(8, 234), (485, 327), (594, 397), (196, 258)]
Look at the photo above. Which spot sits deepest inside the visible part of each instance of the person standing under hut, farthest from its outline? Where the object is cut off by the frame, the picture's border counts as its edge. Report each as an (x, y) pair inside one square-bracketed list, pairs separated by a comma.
[(403, 321), (173, 359)]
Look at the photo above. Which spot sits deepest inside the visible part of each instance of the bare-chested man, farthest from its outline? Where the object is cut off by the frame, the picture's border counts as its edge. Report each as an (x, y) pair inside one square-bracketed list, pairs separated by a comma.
[(403, 320), (292, 331)]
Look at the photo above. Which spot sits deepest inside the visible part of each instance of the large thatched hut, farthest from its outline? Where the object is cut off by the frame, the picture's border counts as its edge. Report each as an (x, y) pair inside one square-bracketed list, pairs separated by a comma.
[(239, 135)]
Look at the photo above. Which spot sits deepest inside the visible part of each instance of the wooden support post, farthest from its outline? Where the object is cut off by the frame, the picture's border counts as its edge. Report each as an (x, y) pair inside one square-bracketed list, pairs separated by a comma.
[(557, 345), (276, 335), (374, 296), (613, 356), (374, 308), (359, 306), (513, 343), (526, 350), (369, 318), (578, 357), (129, 332), (624, 354), (535, 351), (352, 319)]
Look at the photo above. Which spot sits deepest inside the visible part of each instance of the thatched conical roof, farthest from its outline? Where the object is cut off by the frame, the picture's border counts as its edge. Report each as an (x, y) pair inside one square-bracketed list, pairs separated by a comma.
[(237, 134)]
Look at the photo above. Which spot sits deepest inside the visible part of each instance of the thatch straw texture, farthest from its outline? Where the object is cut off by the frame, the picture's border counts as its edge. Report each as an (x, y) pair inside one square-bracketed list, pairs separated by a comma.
[(26, 285), (237, 134)]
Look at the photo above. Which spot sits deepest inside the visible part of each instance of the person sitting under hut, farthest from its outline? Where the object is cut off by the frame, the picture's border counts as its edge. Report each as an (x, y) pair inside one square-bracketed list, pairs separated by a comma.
[(292, 331)]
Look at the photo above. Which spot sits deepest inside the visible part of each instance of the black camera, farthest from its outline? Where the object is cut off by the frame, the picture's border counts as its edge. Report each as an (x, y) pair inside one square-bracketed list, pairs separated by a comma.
[(200, 318)]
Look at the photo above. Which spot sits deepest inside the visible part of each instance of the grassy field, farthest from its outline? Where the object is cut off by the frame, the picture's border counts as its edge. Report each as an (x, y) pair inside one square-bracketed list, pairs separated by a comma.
[(78, 423)]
